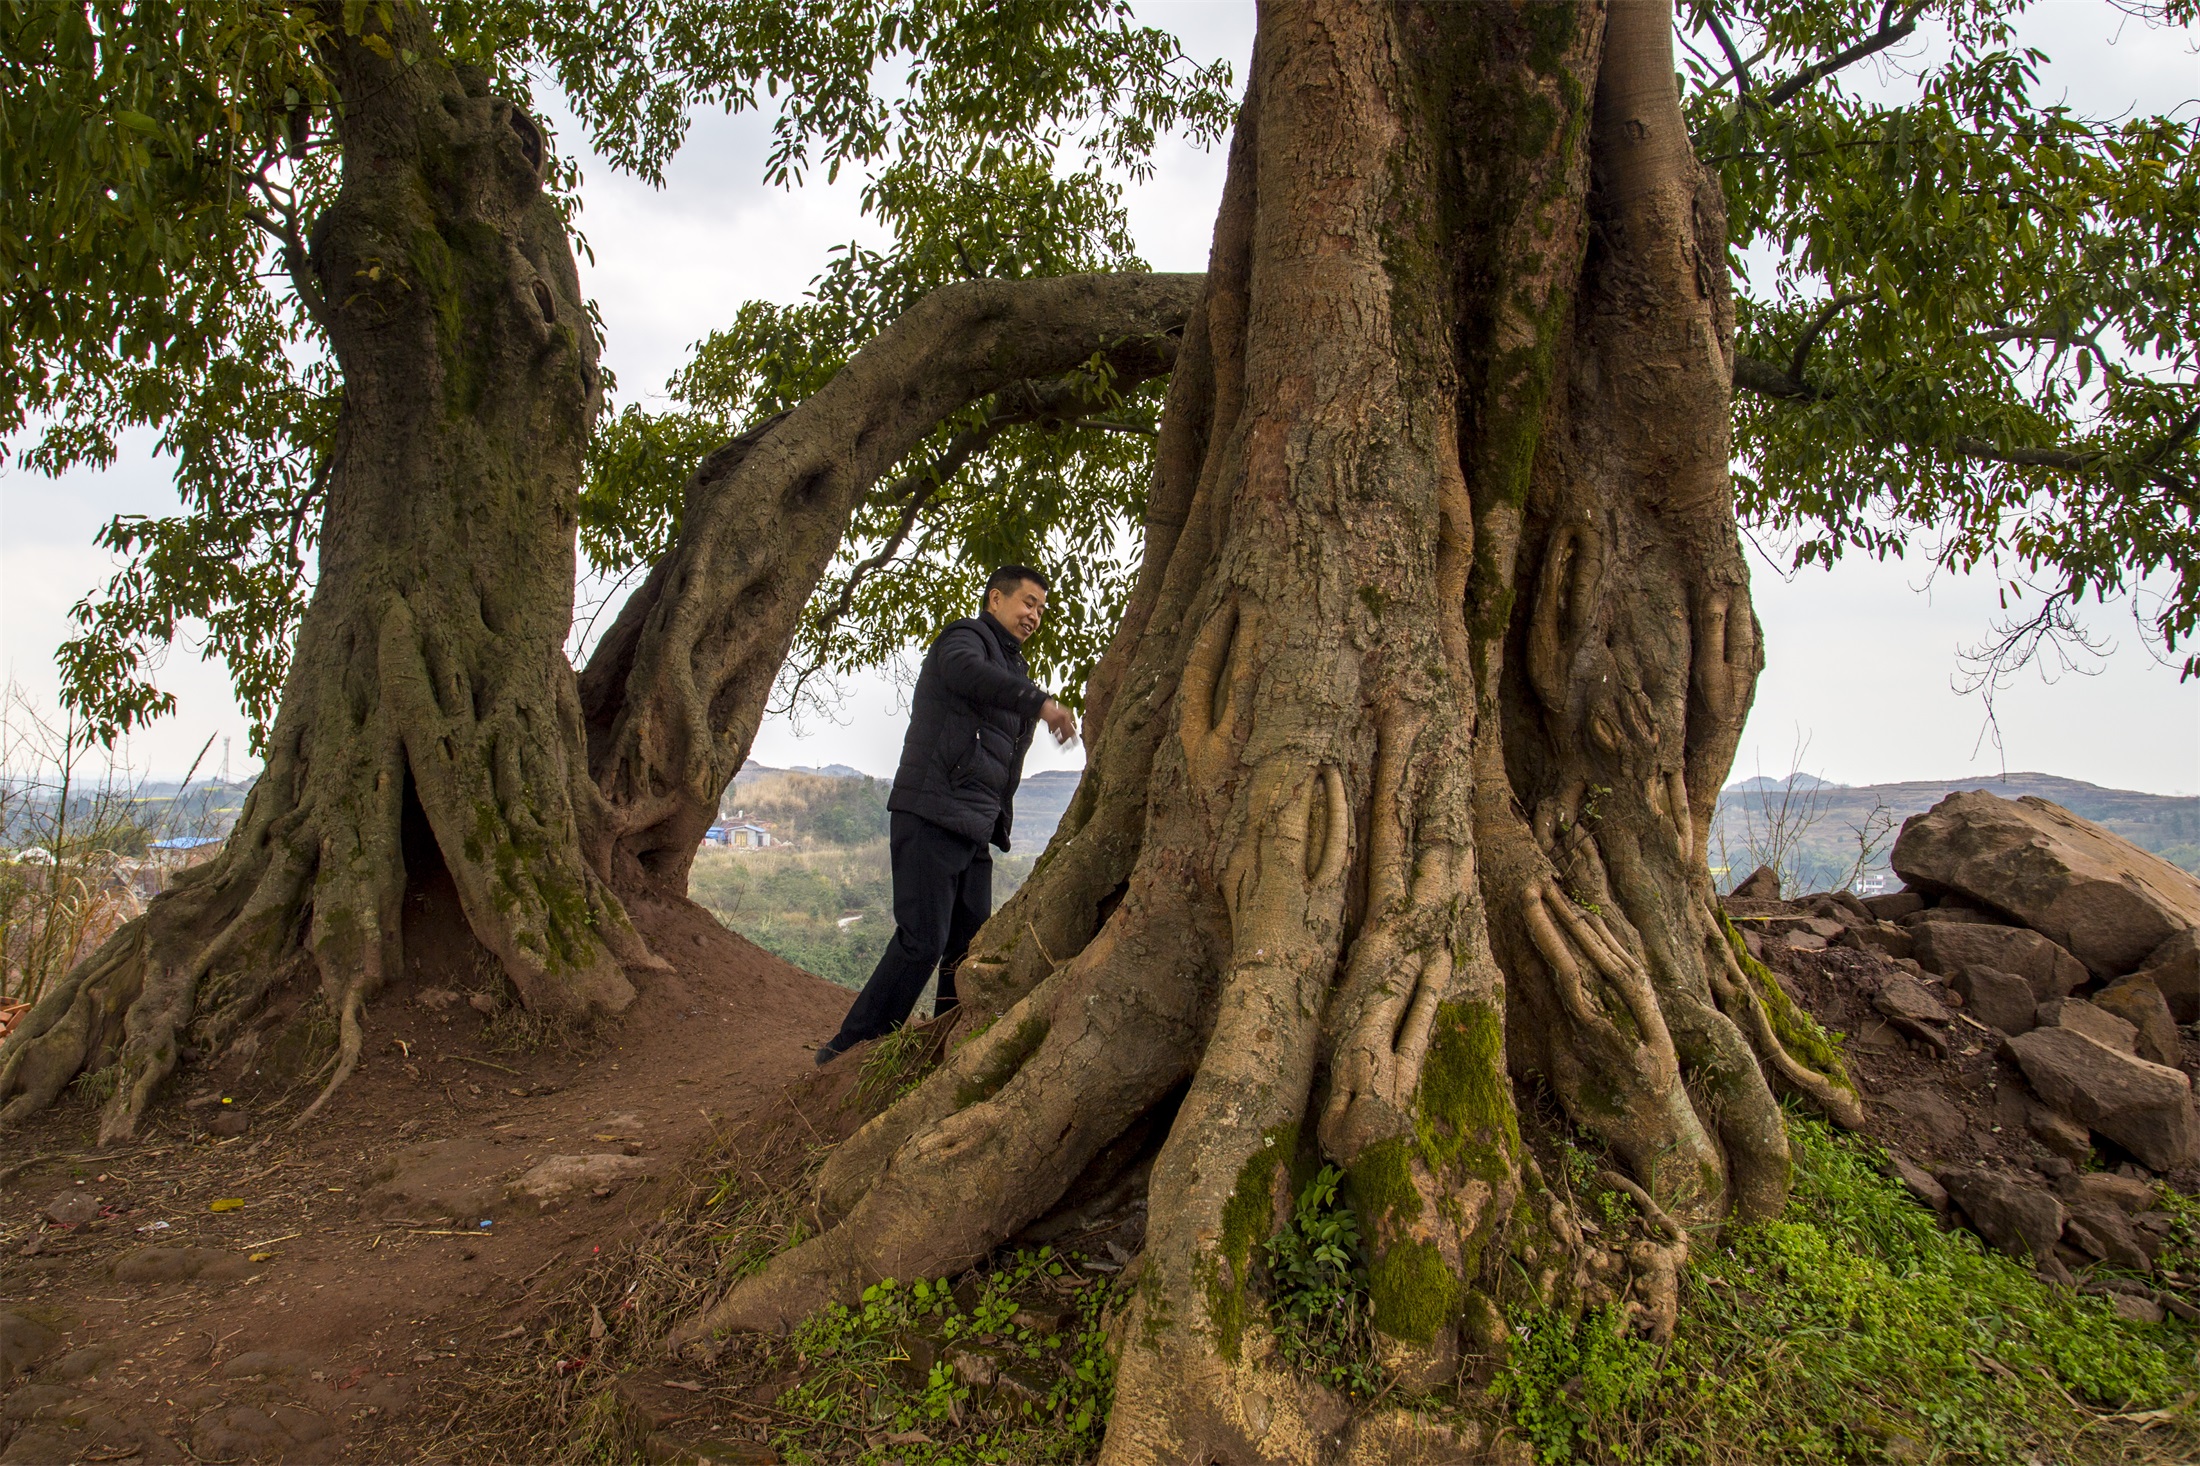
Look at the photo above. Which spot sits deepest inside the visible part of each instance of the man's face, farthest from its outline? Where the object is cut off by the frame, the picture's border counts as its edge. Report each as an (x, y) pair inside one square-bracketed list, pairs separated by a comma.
[(1018, 607)]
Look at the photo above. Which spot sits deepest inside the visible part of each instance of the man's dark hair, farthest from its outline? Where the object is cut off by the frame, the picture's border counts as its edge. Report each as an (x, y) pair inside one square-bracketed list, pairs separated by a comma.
[(1008, 577)]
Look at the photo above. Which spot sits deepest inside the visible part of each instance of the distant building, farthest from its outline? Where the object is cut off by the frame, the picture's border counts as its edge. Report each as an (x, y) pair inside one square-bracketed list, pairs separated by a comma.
[(742, 836)]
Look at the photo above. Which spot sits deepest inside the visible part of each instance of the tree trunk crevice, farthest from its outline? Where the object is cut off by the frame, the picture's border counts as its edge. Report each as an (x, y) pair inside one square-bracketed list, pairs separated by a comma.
[(1402, 761)]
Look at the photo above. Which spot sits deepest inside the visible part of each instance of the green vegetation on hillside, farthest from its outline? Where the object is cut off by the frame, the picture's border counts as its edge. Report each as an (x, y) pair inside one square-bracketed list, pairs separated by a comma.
[(1856, 1328), (823, 899)]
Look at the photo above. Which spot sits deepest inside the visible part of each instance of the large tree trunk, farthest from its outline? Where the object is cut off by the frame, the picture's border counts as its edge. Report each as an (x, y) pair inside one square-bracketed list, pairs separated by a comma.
[(430, 713), (429, 674), (1401, 763)]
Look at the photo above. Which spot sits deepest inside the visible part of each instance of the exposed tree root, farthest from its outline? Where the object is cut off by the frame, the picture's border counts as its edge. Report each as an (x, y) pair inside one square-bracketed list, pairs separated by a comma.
[(1393, 802)]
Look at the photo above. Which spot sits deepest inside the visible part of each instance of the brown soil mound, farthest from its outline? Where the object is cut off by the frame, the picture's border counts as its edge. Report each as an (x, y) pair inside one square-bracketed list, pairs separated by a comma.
[(227, 1289)]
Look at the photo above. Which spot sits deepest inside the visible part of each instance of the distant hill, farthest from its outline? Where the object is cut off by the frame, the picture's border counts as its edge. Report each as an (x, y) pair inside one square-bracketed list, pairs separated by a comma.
[(799, 806), (1830, 815)]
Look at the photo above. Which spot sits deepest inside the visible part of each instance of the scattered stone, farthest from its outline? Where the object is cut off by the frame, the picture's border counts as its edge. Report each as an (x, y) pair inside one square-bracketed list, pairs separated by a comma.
[(2134, 1309), (1919, 1183), (1762, 884), (2138, 1002), (72, 1208), (2145, 1108), (1894, 905), (2174, 967), (1883, 937), (255, 1363), (1805, 941), (82, 1364), (1928, 1111), (2096, 894), (180, 1264), (435, 1000), (22, 1344), (1997, 999), (2079, 1016), (2105, 1233), (228, 1120), (561, 1175), (485, 1004), (2070, 1141), (2106, 1188), (1947, 948), (2021, 1221), (1903, 996), (974, 1367), (1844, 907)]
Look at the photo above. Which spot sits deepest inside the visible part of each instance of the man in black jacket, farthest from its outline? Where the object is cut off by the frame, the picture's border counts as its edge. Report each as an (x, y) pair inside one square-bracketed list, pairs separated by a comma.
[(969, 728)]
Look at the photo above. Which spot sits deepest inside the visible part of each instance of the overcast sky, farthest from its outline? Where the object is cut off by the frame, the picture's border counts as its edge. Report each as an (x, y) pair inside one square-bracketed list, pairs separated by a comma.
[(1862, 659)]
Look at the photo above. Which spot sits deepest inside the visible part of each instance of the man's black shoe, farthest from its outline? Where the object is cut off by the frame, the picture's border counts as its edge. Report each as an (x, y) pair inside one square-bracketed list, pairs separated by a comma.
[(826, 1053)]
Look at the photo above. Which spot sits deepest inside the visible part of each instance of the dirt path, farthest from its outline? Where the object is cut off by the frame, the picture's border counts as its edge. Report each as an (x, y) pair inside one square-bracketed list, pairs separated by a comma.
[(326, 1294)]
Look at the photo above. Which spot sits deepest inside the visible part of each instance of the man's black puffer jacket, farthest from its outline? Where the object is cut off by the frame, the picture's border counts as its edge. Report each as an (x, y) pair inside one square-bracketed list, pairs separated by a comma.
[(969, 729)]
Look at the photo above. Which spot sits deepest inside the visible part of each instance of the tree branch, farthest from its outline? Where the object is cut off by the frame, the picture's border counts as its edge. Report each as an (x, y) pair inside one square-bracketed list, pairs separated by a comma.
[(1743, 81), (1767, 380), (1817, 328), (673, 695), (1887, 35)]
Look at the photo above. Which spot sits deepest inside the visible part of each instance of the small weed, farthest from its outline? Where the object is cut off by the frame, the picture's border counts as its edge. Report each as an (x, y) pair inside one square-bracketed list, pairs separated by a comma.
[(946, 1376), (1319, 1302), (894, 1065), (97, 1086)]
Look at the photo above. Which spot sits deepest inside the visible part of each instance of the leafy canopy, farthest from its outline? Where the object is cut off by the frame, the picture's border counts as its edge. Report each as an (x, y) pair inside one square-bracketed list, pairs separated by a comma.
[(1976, 337), (165, 163)]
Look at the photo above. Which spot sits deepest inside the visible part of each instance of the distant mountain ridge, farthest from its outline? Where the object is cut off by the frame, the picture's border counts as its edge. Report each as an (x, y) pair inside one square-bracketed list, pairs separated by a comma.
[(2166, 824)]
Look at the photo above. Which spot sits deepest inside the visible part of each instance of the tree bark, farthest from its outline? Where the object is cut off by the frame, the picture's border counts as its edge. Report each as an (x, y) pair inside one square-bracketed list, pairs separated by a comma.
[(429, 670), (1402, 761), (429, 688)]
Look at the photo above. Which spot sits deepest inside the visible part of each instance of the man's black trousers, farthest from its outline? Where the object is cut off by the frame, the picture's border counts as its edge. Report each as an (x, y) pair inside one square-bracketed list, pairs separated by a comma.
[(943, 892)]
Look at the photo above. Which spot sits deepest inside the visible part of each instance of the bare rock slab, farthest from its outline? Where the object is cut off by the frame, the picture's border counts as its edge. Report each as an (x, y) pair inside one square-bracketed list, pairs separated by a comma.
[(445, 1178), (2174, 967), (2079, 1016), (23, 1342), (2096, 894), (2145, 1108), (2138, 1002), (1997, 999), (563, 1176), (1948, 947)]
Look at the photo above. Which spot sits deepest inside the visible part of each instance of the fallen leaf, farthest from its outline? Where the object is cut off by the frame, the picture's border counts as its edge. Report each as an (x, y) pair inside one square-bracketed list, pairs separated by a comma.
[(227, 1203), (511, 1333), (597, 1328), (909, 1438), (683, 1384)]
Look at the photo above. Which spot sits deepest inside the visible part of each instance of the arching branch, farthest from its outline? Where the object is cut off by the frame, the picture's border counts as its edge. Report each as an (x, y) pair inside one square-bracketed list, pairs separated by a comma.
[(673, 695)]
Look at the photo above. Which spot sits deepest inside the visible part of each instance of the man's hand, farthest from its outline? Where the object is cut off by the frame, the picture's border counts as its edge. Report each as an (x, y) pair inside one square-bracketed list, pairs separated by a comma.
[(1059, 723)]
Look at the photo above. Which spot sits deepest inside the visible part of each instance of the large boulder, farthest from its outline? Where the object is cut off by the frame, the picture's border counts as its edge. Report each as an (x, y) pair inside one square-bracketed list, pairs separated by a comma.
[(2145, 1108), (2098, 895), (1948, 948)]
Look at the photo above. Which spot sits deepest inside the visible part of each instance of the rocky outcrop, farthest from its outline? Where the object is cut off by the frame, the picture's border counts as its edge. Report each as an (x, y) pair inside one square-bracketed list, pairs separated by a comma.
[(2145, 1108), (2095, 894), (2174, 967), (1948, 948)]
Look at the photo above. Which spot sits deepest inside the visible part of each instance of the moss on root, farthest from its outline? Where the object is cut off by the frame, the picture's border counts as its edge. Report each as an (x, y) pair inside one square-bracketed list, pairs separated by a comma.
[(1413, 1291), (1002, 1066), (1248, 1220), (1798, 1032)]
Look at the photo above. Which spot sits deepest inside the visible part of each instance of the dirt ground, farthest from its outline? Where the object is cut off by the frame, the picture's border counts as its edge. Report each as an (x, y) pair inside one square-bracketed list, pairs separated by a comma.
[(240, 1290)]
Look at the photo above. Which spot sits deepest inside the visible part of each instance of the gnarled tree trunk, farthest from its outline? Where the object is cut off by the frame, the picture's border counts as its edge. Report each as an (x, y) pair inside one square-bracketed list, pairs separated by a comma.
[(1401, 763), (429, 691), (429, 671)]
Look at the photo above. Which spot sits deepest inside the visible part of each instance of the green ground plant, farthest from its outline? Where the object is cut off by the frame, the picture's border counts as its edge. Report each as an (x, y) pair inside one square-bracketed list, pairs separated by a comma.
[(1318, 1303), (1856, 1328), (902, 1374)]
